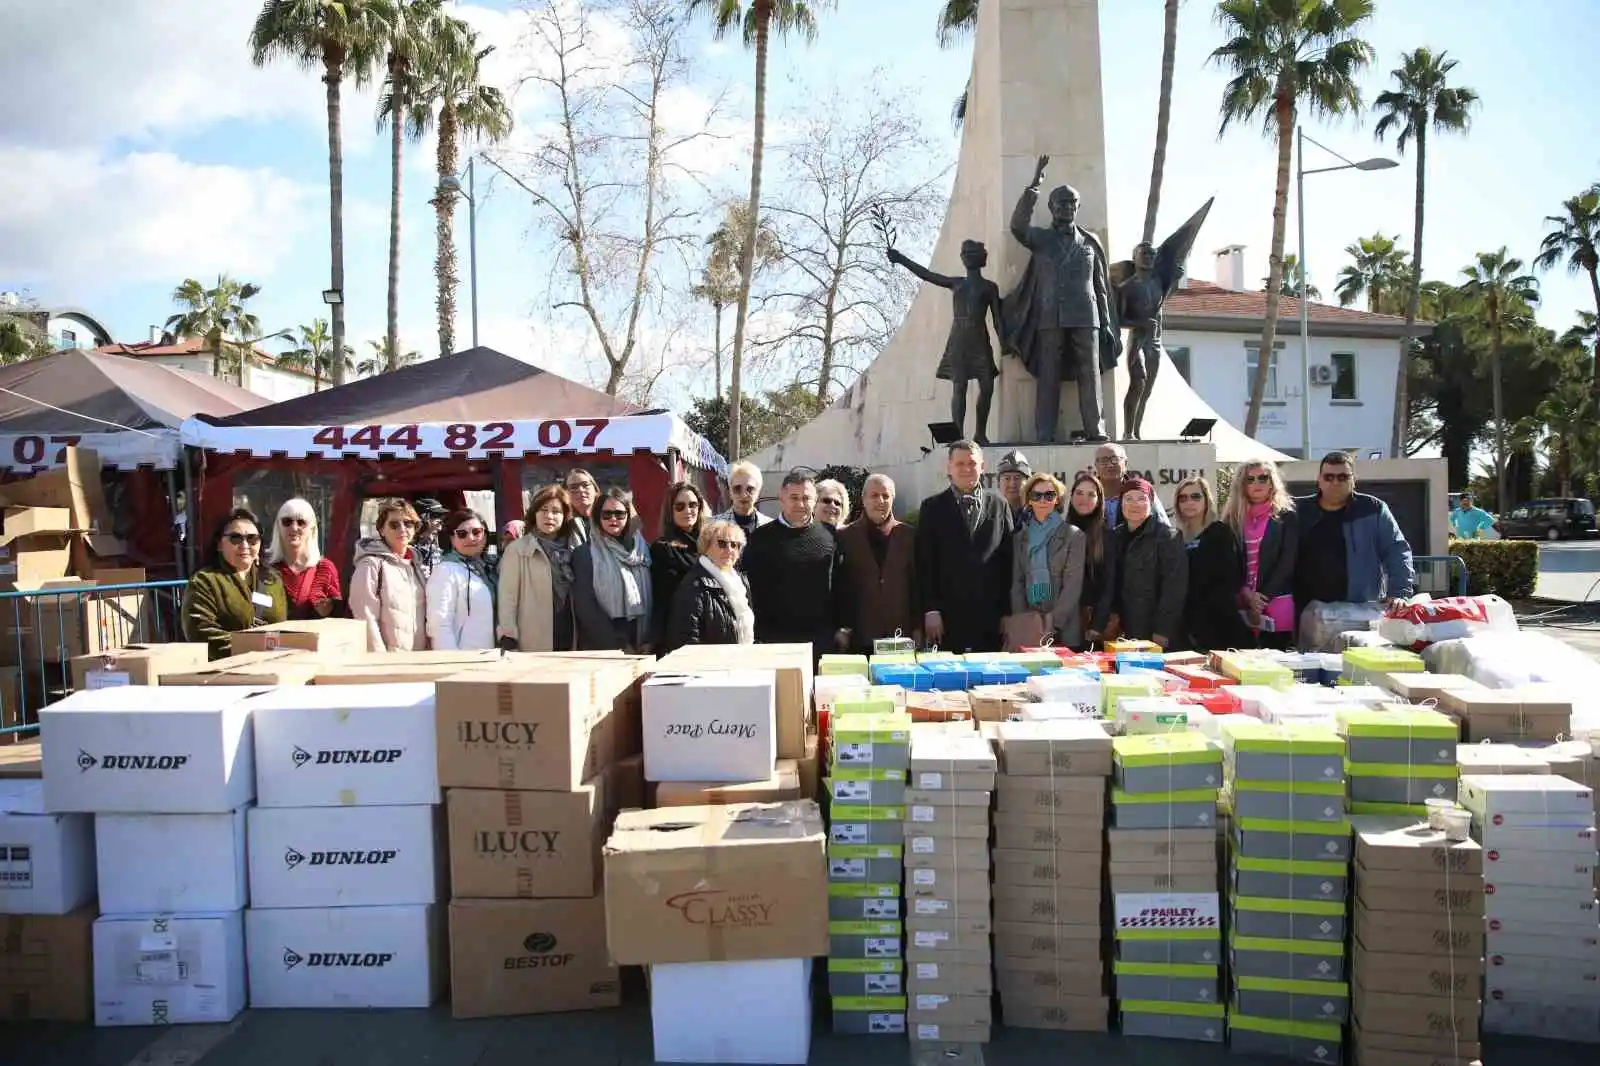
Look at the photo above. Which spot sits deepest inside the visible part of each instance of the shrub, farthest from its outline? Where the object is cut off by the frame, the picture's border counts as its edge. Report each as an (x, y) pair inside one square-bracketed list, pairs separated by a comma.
[(1508, 568)]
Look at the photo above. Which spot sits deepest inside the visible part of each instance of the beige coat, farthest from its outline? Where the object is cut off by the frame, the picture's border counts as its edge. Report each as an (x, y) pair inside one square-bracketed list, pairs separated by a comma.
[(388, 594), (527, 597)]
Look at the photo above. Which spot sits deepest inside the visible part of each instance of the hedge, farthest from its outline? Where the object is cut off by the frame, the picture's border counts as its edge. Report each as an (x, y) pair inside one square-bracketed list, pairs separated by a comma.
[(1507, 568)]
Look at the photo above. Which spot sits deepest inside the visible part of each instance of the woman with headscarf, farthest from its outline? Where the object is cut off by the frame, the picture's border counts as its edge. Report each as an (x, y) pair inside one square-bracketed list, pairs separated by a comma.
[(234, 591), (712, 604), (535, 608), (611, 579), (310, 580), (1151, 580), (462, 587)]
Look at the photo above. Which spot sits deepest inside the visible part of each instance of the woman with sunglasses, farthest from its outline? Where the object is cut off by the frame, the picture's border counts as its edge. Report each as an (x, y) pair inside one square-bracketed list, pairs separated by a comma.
[(1046, 569), (833, 504), (675, 553), (712, 605), (234, 592), (535, 601), (1216, 570), (1086, 510), (611, 580), (462, 588), (310, 579), (387, 587), (1261, 513)]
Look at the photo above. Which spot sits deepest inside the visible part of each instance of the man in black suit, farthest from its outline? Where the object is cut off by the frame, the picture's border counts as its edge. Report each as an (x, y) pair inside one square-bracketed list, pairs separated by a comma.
[(964, 558)]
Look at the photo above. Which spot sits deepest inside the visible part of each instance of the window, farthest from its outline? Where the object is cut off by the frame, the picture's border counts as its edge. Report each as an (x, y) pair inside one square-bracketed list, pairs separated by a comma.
[(1252, 359), (69, 339), (1344, 375), (1180, 362)]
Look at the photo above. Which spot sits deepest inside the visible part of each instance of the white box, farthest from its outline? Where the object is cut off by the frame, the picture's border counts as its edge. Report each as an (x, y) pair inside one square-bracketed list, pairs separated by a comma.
[(1505, 867), (346, 745), (1078, 690), (1526, 977), (1540, 941), (184, 750), (345, 856), (46, 860), (1175, 910), (1508, 908), (171, 863), (1140, 716), (732, 1012), (710, 727), (1495, 799), (341, 957), (168, 969), (826, 689)]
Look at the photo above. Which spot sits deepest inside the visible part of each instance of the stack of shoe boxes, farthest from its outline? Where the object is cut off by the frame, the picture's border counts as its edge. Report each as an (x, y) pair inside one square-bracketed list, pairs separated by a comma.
[(1049, 842), (948, 923), (1167, 782), (1398, 758), (1289, 848), (869, 753), (1417, 944), (1538, 837)]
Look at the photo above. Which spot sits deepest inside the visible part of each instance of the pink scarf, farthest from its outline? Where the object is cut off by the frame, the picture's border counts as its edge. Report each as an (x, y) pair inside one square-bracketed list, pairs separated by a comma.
[(1256, 519)]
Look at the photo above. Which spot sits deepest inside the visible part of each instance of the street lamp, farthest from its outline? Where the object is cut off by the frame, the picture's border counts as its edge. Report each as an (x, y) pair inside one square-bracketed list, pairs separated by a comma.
[(1375, 163), (454, 185)]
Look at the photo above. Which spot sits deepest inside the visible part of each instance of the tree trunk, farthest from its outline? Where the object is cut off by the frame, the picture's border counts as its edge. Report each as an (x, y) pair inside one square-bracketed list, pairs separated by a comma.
[(1158, 166), (1402, 383), (716, 309), (444, 205), (397, 121), (1280, 210), (1500, 455), (1594, 287), (747, 253), (333, 64)]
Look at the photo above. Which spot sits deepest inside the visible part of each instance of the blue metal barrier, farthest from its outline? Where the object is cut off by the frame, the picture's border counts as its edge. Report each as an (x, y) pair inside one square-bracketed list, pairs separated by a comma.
[(43, 630), (1441, 575)]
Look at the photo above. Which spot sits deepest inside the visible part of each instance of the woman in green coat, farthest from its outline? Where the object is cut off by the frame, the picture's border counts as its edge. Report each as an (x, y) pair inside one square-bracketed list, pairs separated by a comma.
[(234, 592)]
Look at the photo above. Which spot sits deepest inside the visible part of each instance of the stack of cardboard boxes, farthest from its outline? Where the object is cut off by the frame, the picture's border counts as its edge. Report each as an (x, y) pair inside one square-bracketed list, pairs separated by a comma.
[(948, 922), (1397, 759), (1289, 846), (1541, 713), (1418, 945), (1167, 782), (47, 888), (1049, 842), (1538, 837)]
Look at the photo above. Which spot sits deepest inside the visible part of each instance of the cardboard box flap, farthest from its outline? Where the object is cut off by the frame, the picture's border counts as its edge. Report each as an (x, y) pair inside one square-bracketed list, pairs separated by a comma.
[(713, 832), (75, 485)]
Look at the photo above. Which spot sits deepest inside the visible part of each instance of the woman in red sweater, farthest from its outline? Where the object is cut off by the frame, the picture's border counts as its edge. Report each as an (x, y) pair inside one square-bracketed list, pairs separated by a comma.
[(310, 580)]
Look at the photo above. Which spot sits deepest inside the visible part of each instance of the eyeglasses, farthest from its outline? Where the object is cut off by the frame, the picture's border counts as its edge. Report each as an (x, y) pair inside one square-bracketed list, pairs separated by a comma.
[(686, 505), (1258, 479), (466, 533), (1045, 496), (1108, 460), (398, 524), (289, 522), (236, 539), (579, 486), (729, 545), (1339, 478), (614, 516), (1194, 497)]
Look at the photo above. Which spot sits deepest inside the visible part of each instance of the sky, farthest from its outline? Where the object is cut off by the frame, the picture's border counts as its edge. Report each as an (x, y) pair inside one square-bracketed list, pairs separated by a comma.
[(129, 163)]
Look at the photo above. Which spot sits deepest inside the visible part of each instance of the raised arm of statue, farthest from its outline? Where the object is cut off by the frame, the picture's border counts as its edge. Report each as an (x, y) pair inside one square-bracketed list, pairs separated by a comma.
[(1022, 217), (941, 280)]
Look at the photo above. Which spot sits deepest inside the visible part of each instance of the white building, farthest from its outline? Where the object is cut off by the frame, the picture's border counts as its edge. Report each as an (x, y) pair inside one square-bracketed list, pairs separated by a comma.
[(73, 327), (262, 377), (1213, 334)]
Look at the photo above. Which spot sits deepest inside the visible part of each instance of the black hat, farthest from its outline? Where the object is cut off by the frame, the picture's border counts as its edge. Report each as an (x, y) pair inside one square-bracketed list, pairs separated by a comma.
[(1014, 462), (428, 507)]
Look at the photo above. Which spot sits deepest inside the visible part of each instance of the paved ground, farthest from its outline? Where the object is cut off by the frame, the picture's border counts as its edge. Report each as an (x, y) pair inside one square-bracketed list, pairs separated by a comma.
[(1569, 571)]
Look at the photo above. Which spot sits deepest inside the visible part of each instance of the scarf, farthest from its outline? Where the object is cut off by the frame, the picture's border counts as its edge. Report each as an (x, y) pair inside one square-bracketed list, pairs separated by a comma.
[(1039, 534), (744, 618), (477, 566), (621, 576), (559, 552), (1256, 518)]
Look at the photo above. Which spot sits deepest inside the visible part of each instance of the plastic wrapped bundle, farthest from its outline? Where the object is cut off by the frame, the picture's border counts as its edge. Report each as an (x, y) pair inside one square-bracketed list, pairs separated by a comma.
[(1427, 621), (1322, 623)]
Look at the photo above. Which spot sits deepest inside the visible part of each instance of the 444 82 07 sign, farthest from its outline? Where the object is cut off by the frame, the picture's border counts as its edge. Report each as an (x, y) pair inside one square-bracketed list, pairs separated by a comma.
[(551, 435)]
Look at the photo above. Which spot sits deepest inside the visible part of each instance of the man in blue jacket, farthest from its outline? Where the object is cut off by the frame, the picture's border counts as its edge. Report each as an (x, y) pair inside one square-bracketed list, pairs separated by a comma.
[(1351, 548)]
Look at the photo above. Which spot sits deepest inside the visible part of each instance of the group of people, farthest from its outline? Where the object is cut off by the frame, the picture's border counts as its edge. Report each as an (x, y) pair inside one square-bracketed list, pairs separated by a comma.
[(1029, 561)]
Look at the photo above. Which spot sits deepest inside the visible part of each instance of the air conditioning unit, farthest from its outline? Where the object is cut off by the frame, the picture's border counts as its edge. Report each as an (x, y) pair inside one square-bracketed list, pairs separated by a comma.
[(1321, 374)]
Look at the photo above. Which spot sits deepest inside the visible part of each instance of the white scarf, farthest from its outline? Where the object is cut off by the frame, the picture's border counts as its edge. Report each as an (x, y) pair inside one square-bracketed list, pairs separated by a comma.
[(744, 618)]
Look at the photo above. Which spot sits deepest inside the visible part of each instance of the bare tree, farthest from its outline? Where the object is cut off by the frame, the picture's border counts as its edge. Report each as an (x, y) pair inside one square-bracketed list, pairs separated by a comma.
[(836, 300), (612, 180)]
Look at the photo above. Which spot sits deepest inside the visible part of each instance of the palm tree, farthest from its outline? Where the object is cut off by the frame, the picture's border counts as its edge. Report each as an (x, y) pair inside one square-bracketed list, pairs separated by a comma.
[(384, 359), (1575, 238), (1586, 332), (468, 109), (1379, 270), (1158, 166), (1422, 98), (1285, 54), (755, 20), (341, 37), (719, 278), (314, 355), (1496, 281), (957, 19), (217, 314), (1291, 280)]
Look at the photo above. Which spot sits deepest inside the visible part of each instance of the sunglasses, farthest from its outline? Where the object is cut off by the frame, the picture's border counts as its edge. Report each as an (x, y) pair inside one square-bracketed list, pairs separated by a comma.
[(829, 503), (1340, 478), (293, 523), (1046, 496), (1258, 479), (236, 539), (1195, 497), (614, 516), (398, 524), (729, 545), (464, 533), (686, 505)]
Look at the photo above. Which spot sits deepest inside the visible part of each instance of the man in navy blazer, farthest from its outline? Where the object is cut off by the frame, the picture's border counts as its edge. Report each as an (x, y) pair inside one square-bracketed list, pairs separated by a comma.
[(964, 558)]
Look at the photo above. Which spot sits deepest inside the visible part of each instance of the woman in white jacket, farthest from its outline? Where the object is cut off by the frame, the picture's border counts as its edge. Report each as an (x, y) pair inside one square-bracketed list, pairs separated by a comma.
[(461, 590)]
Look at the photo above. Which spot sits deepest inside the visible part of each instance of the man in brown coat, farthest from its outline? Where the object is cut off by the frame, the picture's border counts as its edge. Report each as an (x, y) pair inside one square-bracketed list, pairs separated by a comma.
[(880, 567)]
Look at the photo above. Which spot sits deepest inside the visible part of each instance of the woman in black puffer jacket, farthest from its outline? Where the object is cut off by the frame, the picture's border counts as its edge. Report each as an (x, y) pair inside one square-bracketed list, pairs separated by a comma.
[(712, 604)]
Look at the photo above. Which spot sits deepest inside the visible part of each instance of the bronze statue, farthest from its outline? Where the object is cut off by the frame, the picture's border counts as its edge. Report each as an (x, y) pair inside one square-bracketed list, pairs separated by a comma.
[(1060, 319), (968, 355), (1142, 286)]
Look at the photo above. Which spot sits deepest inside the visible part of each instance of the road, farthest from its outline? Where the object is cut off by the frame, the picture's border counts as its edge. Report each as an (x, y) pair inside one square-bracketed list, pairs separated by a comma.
[(1569, 571)]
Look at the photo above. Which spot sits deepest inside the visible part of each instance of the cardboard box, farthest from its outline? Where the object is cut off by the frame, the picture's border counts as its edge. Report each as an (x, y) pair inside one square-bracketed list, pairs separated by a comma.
[(20, 760), (710, 727), (1081, 799), (1047, 940), (363, 745), (171, 863), (171, 969), (526, 845), (625, 785), (1389, 1049), (762, 1012), (259, 669), (1044, 868), (325, 636), (1532, 712), (1430, 1017), (345, 856), (1047, 904), (1416, 849), (1512, 800), (46, 860), (1410, 933), (46, 968), (1380, 970), (1055, 748), (345, 957), (695, 884), (68, 618), (945, 851), (784, 784), (792, 664), (1073, 1014), (997, 703), (136, 664), (530, 957), (810, 769), (187, 751), (1048, 831), (1161, 845)]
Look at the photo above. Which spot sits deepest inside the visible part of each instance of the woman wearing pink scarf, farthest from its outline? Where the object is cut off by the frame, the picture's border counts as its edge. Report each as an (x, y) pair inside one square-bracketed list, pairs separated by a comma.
[(1261, 512)]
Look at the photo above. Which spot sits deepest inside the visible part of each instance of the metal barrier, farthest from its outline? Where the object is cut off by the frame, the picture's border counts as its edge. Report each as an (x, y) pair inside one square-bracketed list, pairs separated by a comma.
[(43, 630), (1441, 575)]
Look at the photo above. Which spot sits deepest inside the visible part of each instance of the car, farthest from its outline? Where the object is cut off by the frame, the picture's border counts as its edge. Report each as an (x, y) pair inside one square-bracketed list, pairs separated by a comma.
[(1550, 519)]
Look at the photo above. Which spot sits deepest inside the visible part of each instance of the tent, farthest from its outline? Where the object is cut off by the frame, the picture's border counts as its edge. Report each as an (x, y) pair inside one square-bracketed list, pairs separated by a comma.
[(472, 421)]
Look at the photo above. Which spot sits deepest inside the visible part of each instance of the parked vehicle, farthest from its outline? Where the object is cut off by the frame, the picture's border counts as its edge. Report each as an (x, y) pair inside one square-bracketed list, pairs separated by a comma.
[(1550, 519)]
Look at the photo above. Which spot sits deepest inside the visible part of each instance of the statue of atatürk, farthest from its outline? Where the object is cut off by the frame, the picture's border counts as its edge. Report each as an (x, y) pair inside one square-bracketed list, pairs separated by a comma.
[(1142, 285), (1060, 320), (968, 355)]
